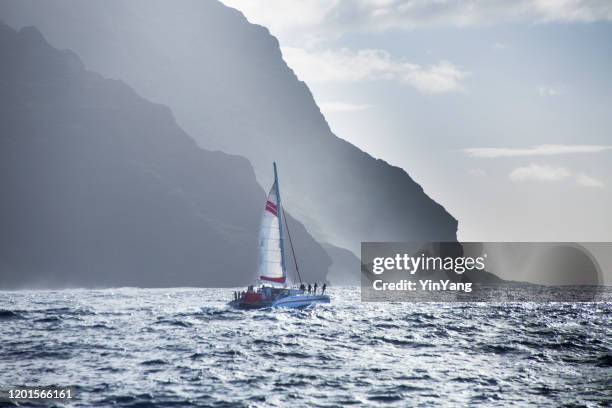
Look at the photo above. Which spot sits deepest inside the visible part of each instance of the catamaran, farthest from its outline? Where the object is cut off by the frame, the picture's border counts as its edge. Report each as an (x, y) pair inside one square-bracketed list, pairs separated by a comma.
[(273, 289)]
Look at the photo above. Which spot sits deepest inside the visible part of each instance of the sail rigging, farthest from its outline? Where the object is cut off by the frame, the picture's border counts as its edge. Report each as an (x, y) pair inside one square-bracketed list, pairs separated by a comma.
[(297, 269)]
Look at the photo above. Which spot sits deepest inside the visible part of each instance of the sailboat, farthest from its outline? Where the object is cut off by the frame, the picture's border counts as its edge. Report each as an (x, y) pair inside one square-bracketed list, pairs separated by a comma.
[(273, 289)]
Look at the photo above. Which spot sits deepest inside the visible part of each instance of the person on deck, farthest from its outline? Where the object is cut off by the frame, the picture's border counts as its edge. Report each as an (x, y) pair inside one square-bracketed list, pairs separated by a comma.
[(302, 287), (315, 288), (323, 289), (309, 288)]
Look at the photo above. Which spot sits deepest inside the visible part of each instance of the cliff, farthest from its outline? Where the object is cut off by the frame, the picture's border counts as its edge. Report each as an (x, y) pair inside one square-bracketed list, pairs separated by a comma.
[(230, 89), (100, 187)]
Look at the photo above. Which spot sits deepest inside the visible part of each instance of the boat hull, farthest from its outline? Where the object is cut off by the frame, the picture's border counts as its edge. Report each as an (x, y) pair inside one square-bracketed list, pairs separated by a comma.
[(239, 304), (300, 301), (289, 302)]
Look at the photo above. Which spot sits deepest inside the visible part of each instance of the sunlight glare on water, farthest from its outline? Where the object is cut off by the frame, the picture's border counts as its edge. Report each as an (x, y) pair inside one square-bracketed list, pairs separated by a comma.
[(186, 347)]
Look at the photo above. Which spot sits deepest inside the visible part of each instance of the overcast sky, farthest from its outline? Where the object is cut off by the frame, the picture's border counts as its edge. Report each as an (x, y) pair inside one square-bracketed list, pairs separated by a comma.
[(501, 110)]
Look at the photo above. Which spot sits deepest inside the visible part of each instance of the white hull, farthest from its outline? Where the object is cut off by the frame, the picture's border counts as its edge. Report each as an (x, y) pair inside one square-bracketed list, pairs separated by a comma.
[(300, 301)]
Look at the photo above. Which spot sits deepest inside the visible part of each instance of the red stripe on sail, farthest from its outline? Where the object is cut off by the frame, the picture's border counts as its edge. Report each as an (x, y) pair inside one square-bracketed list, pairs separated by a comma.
[(271, 204), (272, 208), (277, 280)]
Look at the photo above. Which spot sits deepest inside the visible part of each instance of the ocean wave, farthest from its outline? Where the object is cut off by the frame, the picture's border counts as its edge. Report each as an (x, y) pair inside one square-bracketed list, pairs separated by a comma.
[(9, 314), (172, 347)]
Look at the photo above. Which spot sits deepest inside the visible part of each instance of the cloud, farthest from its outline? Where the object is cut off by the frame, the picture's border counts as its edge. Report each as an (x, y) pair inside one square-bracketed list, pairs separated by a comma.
[(478, 172), (541, 150), (588, 181), (295, 18), (540, 173), (546, 90), (345, 65), (341, 107), (546, 173), (582, 11)]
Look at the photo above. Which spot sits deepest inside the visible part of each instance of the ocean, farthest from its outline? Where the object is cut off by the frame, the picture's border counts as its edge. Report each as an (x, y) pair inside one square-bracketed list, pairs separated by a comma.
[(184, 347)]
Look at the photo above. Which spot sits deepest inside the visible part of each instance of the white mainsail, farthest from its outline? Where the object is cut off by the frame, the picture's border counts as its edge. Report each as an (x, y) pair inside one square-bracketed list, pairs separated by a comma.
[(271, 256)]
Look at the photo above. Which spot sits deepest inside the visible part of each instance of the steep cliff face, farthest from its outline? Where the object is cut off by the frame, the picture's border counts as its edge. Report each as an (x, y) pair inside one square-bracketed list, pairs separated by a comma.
[(100, 187), (345, 263), (229, 88)]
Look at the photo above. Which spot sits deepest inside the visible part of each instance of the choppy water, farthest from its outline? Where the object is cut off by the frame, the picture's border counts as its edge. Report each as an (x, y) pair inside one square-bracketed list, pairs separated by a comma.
[(184, 347)]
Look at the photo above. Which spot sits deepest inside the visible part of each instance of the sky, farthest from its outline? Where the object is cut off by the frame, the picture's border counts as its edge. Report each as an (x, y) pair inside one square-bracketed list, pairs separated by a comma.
[(501, 110)]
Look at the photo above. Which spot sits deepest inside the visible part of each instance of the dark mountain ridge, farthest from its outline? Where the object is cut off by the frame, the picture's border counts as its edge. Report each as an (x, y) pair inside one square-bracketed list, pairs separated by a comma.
[(101, 187), (229, 88)]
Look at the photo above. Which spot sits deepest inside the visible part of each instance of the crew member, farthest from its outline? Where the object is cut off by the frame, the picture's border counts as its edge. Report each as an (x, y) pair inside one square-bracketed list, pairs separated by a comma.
[(309, 288), (315, 288), (323, 289)]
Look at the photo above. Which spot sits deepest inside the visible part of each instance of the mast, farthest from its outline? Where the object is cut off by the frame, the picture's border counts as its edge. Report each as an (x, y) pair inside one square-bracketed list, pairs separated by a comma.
[(280, 221)]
